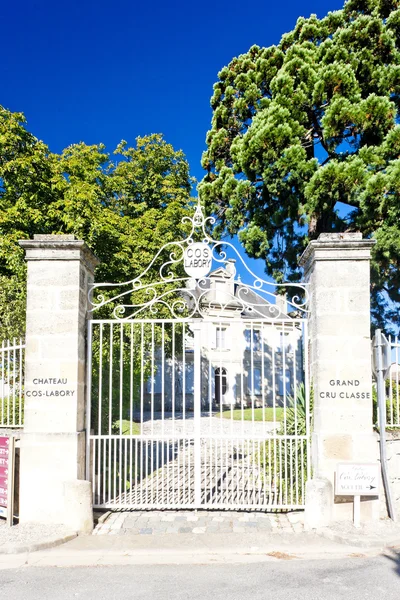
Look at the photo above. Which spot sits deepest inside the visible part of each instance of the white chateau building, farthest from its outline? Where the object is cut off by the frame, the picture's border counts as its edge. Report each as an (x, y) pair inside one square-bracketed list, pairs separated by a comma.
[(251, 351)]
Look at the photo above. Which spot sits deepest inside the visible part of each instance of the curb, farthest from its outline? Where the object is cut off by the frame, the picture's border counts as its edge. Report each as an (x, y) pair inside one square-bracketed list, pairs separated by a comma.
[(49, 543), (360, 543), (103, 518), (190, 557)]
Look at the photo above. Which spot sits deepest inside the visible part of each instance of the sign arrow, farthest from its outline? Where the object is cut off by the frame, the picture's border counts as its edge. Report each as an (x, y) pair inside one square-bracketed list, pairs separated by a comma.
[(372, 487)]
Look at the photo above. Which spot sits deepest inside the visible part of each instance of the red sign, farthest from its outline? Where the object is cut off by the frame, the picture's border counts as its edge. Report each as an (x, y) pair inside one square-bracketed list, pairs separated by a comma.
[(4, 445)]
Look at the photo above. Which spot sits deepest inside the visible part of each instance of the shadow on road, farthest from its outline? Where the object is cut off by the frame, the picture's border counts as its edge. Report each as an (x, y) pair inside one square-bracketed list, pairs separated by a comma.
[(394, 556)]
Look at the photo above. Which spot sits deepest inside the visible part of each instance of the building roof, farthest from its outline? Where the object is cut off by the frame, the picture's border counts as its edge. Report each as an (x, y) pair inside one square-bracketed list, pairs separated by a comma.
[(243, 300)]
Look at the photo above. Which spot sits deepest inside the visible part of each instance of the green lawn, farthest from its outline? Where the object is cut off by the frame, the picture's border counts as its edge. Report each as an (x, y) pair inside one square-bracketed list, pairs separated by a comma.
[(126, 427), (258, 414), (237, 416)]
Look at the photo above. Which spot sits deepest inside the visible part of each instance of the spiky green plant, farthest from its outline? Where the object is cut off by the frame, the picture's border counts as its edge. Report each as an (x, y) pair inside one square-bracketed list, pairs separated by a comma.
[(284, 458)]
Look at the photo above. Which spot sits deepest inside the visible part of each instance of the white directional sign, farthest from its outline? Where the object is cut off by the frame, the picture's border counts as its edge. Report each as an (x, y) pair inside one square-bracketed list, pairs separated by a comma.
[(357, 479)]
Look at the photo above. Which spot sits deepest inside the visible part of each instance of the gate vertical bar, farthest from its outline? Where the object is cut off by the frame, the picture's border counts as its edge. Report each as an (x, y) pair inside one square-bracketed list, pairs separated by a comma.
[(89, 402), (197, 414), (307, 400)]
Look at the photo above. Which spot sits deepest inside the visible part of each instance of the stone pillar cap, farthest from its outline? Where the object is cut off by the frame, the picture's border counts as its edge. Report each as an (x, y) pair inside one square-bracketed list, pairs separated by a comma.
[(331, 245), (58, 247), (49, 237), (339, 237)]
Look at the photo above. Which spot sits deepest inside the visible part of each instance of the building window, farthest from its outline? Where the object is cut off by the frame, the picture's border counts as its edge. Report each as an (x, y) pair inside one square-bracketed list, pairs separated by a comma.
[(253, 339), (257, 382), (154, 384), (189, 379), (285, 343), (220, 338), (284, 384), (254, 383), (221, 384)]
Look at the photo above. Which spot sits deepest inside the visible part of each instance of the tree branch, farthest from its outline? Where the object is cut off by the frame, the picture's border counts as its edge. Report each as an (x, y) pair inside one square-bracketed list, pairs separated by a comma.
[(318, 130)]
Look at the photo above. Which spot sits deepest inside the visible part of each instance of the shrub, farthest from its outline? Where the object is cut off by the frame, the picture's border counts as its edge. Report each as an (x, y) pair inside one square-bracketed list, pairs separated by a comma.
[(12, 410), (392, 409), (286, 466)]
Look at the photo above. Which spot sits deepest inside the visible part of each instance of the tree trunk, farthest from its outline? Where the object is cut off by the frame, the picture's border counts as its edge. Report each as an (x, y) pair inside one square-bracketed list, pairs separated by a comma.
[(320, 223)]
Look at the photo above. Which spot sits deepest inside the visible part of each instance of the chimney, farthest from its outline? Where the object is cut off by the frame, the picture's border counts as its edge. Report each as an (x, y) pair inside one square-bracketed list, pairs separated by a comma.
[(281, 303), (230, 267)]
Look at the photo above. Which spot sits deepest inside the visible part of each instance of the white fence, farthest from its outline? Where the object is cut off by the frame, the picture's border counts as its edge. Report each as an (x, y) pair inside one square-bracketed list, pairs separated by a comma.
[(392, 385), (386, 365), (12, 361)]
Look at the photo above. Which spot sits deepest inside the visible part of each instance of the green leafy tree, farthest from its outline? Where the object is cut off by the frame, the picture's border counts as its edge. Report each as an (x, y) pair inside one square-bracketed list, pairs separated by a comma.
[(305, 139), (125, 207)]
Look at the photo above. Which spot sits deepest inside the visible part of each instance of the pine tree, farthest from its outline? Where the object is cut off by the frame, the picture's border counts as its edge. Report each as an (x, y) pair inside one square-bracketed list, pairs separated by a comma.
[(305, 139)]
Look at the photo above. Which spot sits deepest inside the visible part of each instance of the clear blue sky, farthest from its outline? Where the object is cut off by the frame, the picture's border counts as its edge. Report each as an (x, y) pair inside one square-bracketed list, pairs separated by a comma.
[(97, 71)]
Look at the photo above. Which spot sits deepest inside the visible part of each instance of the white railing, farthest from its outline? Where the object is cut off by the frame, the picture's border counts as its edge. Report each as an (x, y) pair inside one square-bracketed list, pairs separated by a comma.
[(392, 385), (12, 362)]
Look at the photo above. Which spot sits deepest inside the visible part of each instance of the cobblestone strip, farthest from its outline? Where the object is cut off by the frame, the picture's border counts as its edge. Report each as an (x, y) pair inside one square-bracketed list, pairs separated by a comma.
[(198, 522), (112, 525)]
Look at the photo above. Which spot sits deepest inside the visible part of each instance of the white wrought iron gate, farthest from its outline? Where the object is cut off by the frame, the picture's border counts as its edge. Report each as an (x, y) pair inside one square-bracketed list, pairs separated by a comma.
[(207, 408)]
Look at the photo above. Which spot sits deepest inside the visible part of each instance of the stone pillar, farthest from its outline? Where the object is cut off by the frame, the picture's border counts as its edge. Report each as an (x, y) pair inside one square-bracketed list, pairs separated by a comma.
[(53, 489), (337, 268)]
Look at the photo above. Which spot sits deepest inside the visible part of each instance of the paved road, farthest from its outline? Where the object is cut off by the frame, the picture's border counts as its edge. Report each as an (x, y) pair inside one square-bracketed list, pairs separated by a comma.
[(350, 578)]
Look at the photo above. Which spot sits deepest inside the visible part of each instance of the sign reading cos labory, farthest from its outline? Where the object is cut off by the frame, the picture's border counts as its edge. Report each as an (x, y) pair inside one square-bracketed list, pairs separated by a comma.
[(197, 260), (357, 479)]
